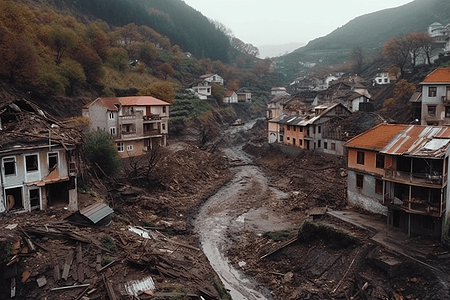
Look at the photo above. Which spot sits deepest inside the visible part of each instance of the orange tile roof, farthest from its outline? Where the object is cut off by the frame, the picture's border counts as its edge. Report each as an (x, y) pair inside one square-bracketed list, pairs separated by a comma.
[(438, 76), (228, 93), (377, 137), (113, 103)]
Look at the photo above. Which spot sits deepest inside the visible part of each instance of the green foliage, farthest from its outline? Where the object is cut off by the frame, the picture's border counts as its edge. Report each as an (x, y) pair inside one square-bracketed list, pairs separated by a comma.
[(117, 58), (101, 150), (5, 253), (160, 90), (278, 235), (106, 260), (108, 243), (334, 237)]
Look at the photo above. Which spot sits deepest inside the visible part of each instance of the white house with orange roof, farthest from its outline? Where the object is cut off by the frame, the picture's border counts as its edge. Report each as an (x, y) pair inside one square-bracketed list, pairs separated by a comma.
[(401, 171), (135, 123), (436, 98), (230, 97)]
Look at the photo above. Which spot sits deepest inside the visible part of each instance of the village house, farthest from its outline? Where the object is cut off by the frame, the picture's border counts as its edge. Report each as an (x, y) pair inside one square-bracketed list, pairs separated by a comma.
[(305, 130), (382, 78), (401, 171), (436, 98), (230, 97), (135, 123), (212, 78), (202, 89), (278, 91), (39, 157), (244, 95), (276, 105)]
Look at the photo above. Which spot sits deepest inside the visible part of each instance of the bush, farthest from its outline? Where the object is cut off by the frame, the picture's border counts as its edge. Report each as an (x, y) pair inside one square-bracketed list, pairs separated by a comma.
[(102, 152), (108, 243), (334, 237)]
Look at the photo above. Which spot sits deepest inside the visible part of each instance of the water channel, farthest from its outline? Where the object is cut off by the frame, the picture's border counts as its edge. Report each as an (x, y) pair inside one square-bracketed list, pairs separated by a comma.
[(240, 204)]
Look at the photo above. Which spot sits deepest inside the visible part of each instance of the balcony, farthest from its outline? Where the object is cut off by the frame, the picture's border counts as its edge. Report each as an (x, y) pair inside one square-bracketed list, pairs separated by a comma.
[(128, 118), (152, 132), (415, 205), (432, 178), (128, 134), (152, 118)]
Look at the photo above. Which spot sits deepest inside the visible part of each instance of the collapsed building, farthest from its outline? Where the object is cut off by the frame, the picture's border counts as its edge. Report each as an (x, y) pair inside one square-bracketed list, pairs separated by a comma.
[(39, 157)]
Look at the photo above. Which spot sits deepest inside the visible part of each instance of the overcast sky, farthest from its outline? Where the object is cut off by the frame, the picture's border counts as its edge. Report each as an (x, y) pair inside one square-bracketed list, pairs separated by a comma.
[(271, 22)]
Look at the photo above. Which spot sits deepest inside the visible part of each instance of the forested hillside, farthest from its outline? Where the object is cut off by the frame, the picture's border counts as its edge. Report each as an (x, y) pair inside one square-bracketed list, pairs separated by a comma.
[(370, 31)]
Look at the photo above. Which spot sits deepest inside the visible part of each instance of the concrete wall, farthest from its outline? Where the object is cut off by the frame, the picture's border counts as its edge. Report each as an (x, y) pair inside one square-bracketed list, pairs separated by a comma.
[(439, 118), (365, 197)]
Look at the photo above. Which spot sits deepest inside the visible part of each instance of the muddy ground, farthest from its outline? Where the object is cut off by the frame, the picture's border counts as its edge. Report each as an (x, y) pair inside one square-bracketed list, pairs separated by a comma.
[(165, 205)]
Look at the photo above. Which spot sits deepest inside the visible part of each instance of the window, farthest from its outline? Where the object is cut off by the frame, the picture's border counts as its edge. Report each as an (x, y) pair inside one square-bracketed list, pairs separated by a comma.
[(294, 128), (9, 166), (163, 126), (111, 116), (338, 110), (325, 145), (293, 142), (333, 146), (385, 80), (431, 110), (164, 109), (447, 111), (360, 157), (380, 161), (319, 129), (120, 147), (130, 148), (288, 138), (359, 181), (432, 91), (52, 160), (31, 163), (379, 186), (288, 127), (112, 130), (301, 129), (319, 142), (301, 142)]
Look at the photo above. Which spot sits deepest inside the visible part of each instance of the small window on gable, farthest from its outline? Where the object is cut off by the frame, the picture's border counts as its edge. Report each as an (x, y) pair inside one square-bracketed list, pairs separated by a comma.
[(360, 157), (9, 166), (111, 116), (31, 163), (52, 160)]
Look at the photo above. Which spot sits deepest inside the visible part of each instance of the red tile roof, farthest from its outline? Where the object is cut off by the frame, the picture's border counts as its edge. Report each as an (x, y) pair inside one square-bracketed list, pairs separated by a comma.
[(438, 76), (113, 103), (377, 137)]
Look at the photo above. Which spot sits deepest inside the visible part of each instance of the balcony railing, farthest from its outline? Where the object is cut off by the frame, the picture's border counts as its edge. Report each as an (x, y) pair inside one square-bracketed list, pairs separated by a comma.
[(152, 118), (433, 178), (128, 134), (128, 117), (152, 132), (415, 205)]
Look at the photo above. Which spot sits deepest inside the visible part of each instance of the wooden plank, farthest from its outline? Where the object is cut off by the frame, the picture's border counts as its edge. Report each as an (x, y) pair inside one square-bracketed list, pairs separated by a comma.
[(109, 289), (80, 264), (280, 247), (30, 244), (98, 265), (69, 287), (67, 265), (56, 273)]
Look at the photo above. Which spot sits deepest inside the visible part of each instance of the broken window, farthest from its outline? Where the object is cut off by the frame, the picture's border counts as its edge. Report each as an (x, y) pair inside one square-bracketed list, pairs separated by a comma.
[(52, 160), (359, 181), (431, 110), (379, 186), (35, 199), (380, 161), (360, 157), (9, 166), (31, 162)]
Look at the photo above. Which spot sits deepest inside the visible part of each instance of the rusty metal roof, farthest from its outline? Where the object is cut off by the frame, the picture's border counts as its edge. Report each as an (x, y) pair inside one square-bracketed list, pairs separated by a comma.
[(417, 140), (96, 212)]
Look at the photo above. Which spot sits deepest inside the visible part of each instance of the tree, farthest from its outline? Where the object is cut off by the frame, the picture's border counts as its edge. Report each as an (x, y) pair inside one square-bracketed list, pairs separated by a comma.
[(61, 39), (162, 90), (420, 45), (117, 58), (144, 165), (101, 151), (166, 70), (397, 51), (357, 58), (73, 72)]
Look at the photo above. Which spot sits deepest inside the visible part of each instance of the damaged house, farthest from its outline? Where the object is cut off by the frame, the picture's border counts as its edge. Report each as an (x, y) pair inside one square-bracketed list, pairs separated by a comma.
[(38, 156), (401, 171)]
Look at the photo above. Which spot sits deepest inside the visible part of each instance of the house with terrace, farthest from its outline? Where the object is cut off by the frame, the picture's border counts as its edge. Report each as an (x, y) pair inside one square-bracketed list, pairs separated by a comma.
[(401, 171), (135, 123)]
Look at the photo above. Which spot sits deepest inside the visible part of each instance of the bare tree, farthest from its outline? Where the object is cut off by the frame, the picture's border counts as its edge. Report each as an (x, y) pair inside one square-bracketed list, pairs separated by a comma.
[(144, 165)]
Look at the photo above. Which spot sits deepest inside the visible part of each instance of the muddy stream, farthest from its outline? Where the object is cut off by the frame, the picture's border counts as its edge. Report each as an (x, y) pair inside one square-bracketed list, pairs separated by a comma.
[(242, 204)]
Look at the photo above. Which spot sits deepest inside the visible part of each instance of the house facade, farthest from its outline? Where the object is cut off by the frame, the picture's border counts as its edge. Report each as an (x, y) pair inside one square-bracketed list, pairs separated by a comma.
[(202, 88), (135, 123), (306, 131), (436, 98), (382, 78), (38, 164), (230, 97), (401, 171), (212, 78), (278, 91)]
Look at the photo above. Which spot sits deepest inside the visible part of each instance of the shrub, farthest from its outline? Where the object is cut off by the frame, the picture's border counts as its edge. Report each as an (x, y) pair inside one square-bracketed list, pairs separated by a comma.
[(102, 152), (334, 237), (105, 261), (108, 243)]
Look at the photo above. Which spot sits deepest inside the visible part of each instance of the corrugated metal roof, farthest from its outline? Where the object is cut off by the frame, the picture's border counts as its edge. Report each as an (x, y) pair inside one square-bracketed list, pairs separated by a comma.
[(417, 140), (133, 287), (96, 212)]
